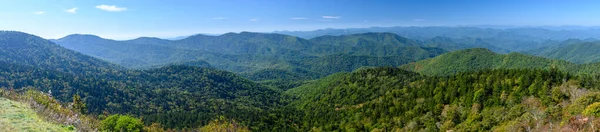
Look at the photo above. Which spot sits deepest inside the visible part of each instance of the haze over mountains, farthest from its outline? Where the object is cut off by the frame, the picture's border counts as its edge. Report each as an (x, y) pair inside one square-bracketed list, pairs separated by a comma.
[(276, 82)]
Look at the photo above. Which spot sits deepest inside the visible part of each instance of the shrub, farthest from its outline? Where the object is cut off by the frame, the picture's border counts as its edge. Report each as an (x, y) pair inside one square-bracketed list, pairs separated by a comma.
[(121, 123), (592, 110)]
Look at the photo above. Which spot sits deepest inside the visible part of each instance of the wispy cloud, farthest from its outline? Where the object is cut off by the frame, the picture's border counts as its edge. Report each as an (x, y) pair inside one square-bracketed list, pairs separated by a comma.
[(332, 17), (111, 8), (419, 20), (219, 18), (72, 10), (254, 19), (299, 18), (39, 13)]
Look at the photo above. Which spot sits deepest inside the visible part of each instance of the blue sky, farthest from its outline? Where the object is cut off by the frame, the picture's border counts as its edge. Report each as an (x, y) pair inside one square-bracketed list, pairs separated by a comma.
[(126, 19)]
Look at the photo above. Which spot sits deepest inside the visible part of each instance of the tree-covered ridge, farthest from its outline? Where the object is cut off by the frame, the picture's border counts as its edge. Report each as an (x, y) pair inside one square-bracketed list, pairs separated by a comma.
[(451, 44), (427, 32), (244, 49), (29, 50), (481, 59), (507, 39), (285, 58), (378, 45), (176, 96), (365, 39), (575, 51), (391, 99)]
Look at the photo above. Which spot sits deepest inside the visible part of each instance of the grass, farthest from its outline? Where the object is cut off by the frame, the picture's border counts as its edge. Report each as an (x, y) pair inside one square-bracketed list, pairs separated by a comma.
[(16, 116)]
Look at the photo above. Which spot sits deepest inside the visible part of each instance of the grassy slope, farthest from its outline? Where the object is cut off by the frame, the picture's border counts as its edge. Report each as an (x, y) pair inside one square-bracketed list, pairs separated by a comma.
[(15, 116)]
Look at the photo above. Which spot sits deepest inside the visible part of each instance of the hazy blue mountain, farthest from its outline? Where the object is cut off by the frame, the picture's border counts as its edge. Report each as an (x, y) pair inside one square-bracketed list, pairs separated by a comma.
[(509, 38)]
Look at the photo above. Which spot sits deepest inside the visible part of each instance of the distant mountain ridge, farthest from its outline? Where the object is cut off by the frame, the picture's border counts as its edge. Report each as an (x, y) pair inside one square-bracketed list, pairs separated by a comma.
[(576, 51), (248, 53), (512, 38), (482, 59)]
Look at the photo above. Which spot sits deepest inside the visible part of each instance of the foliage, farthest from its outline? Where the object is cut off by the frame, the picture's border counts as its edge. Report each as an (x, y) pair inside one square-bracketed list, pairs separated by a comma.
[(174, 96), (592, 110), (223, 125), (393, 99), (121, 123)]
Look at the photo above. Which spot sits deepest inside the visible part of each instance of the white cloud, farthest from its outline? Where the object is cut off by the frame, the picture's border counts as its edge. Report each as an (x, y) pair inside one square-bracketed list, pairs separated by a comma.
[(39, 13), (332, 17), (419, 20), (299, 18), (254, 19), (72, 10), (111, 8), (219, 18)]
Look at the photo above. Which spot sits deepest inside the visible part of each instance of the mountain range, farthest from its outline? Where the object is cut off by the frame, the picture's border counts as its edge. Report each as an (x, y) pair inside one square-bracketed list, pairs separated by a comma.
[(435, 79)]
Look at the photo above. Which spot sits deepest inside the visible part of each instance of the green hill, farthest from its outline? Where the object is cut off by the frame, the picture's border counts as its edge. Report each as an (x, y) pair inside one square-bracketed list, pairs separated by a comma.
[(378, 45), (245, 51), (481, 59), (29, 50), (284, 58), (576, 52), (166, 95)]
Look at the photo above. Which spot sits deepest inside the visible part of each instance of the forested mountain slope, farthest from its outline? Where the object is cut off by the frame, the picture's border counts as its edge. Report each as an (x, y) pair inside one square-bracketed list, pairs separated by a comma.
[(481, 59), (174, 96), (575, 51), (241, 48), (29, 50), (254, 54), (391, 99)]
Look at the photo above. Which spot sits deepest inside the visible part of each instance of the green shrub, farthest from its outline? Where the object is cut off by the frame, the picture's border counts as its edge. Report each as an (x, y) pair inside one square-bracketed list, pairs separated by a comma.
[(121, 123), (592, 110)]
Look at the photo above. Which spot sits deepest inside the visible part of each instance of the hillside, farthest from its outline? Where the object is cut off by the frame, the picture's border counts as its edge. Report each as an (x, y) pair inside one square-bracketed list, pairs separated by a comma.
[(248, 53), (580, 52), (391, 99), (166, 95), (29, 50), (481, 59), (460, 44), (376, 44)]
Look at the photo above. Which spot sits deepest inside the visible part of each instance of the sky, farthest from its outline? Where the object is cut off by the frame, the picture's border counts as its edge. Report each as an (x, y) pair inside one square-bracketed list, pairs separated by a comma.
[(128, 19)]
